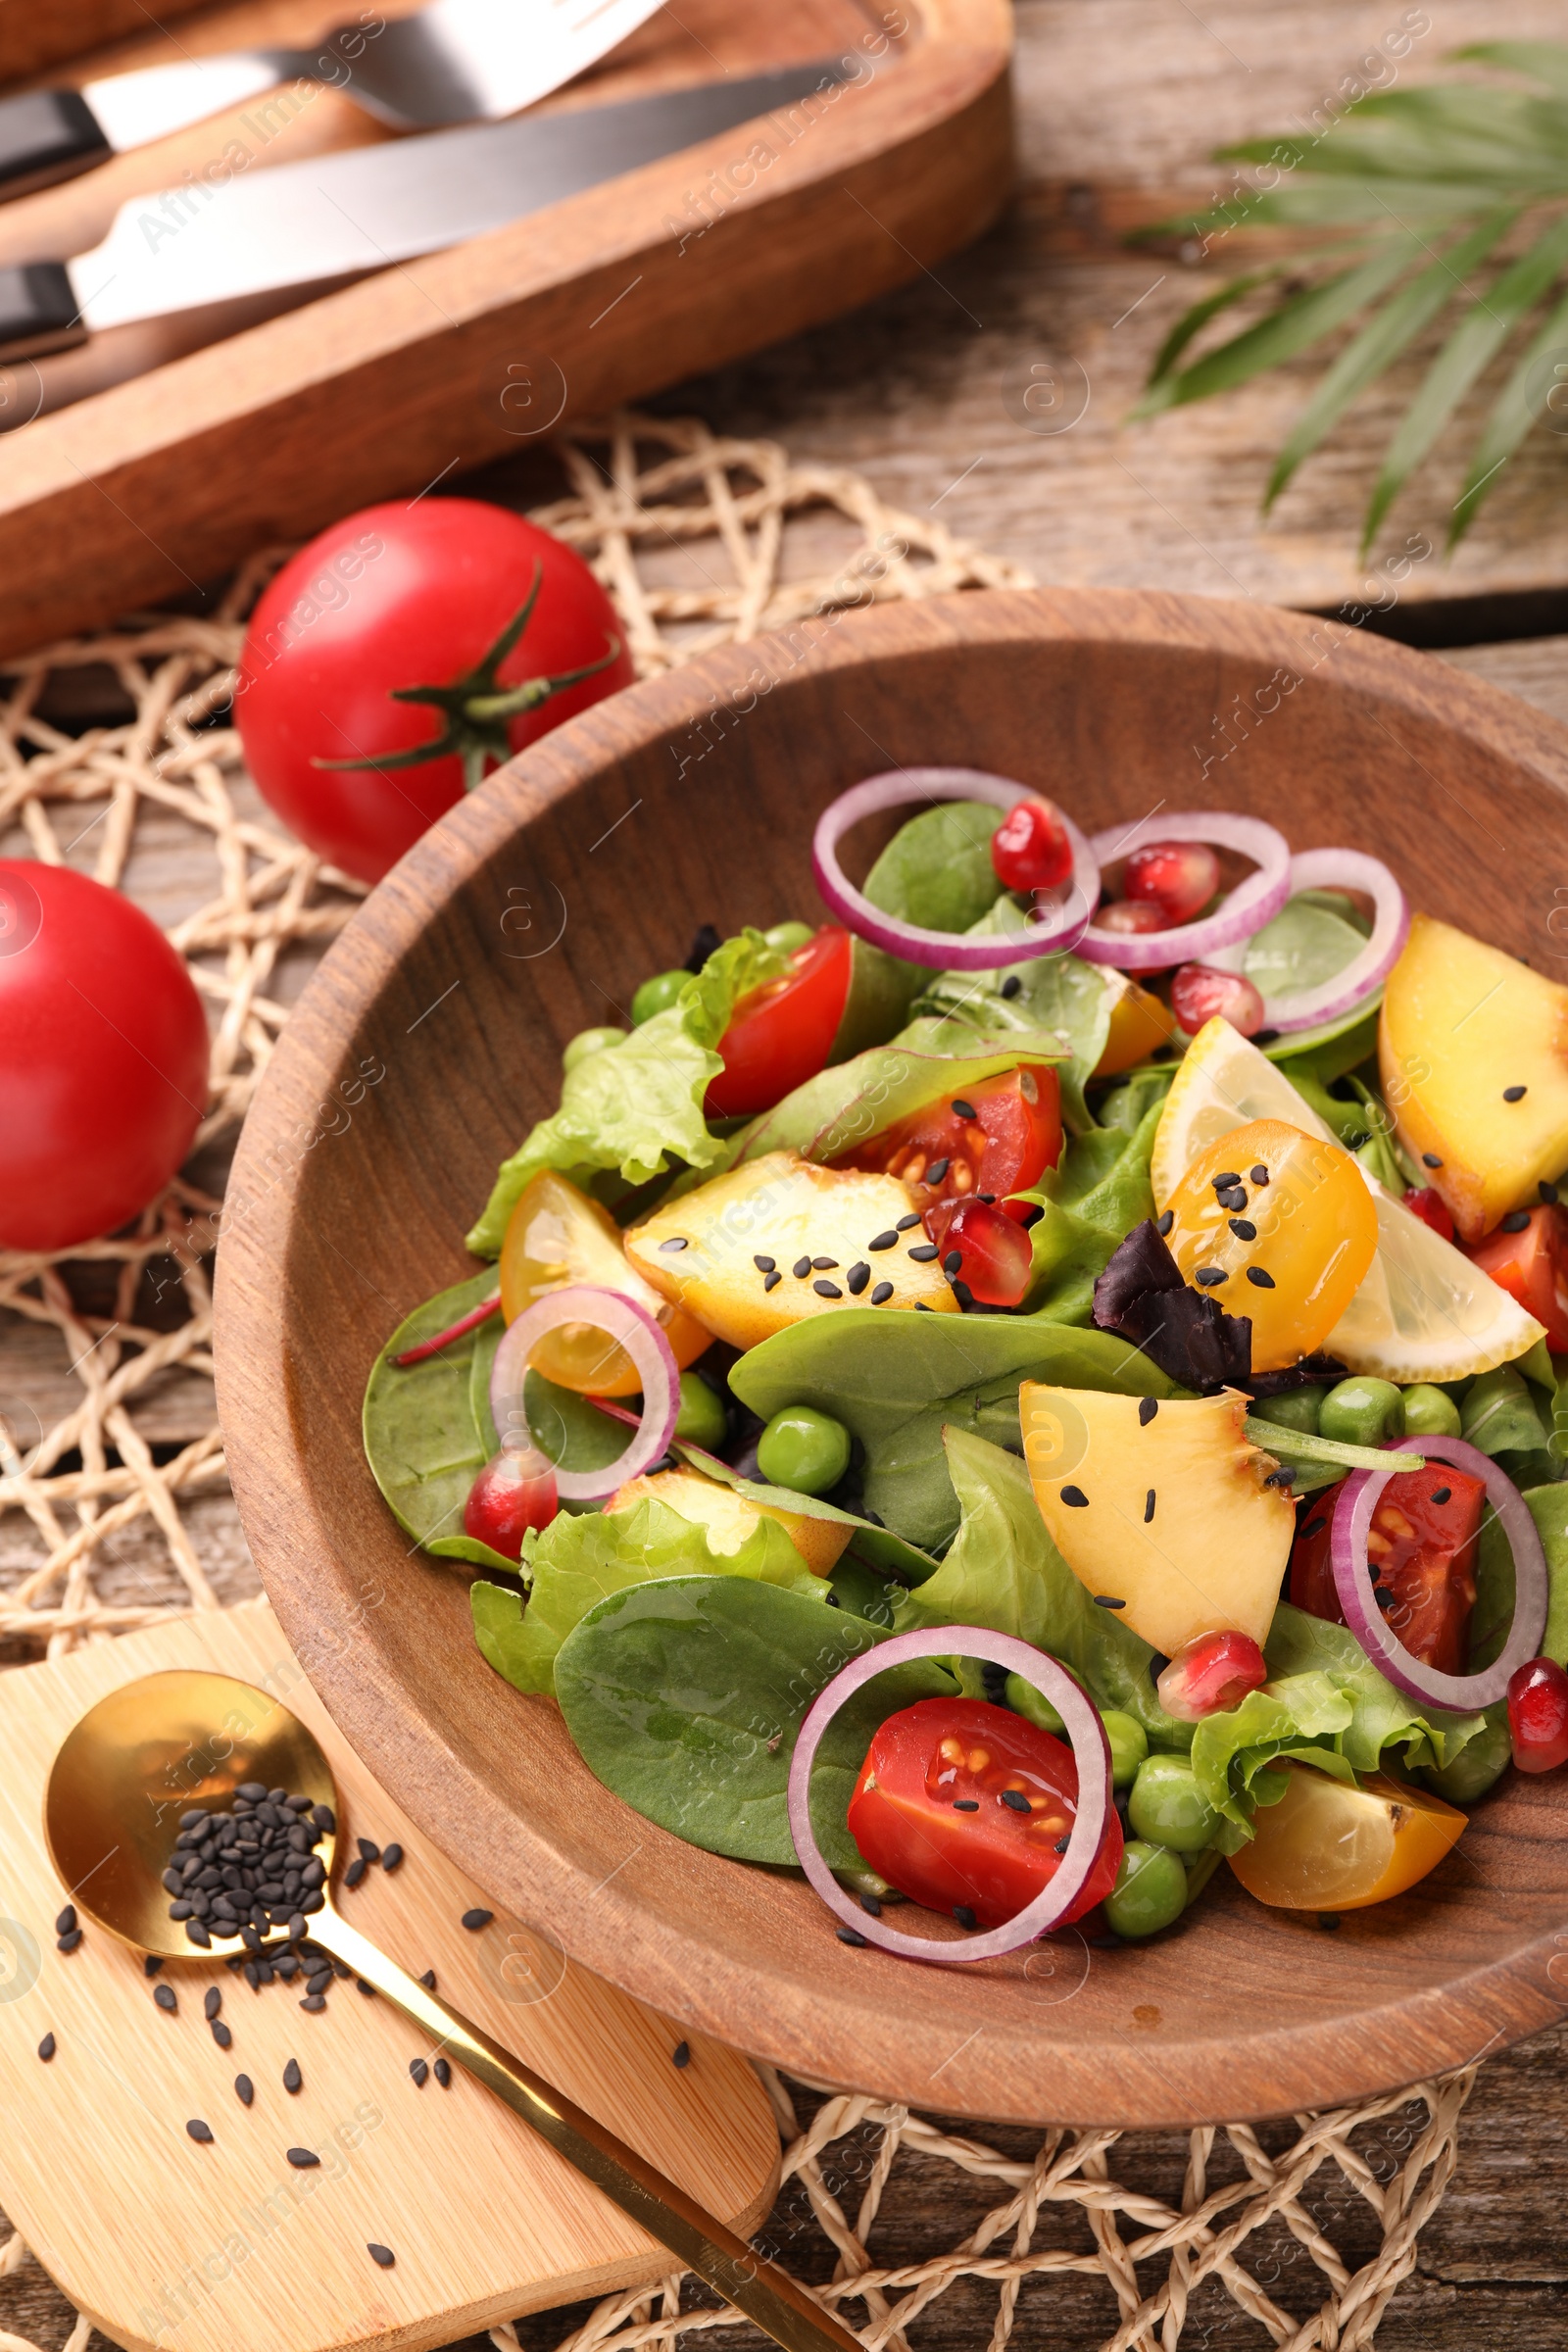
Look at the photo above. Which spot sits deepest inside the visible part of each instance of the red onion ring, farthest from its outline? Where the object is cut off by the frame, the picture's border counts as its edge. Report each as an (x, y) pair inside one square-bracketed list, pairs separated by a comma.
[(1091, 1754), (1249, 906), (633, 1327), (1459, 1693), (1059, 918), (1344, 869)]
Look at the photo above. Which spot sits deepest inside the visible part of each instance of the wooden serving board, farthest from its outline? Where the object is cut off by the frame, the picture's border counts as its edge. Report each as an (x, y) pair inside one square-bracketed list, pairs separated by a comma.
[(225, 2249), (142, 488)]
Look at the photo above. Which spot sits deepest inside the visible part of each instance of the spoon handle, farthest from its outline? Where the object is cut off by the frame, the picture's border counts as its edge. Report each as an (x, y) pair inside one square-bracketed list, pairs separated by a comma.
[(767, 2295)]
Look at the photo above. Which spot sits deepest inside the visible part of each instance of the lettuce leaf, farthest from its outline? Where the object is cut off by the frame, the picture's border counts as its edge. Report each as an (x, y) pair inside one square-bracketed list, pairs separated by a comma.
[(637, 1107), (575, 1562), (1091, 1203), (1003, 1572)]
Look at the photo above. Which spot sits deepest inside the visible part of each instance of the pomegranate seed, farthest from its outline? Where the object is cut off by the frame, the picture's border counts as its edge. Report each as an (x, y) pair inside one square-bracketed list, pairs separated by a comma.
[(1197, 993), (514, 1492), (1538, 1715), (1131, 918), (996, 1259), (1178, 877), (1030, 849), (1212, 1673), (1427, 1203)]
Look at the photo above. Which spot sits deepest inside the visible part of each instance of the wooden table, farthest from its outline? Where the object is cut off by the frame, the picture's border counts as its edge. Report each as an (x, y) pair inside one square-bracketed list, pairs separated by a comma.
[(1118, 103)]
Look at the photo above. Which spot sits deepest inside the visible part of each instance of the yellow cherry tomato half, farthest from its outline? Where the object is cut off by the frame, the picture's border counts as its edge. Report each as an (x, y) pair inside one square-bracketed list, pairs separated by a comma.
[(556, 1235), (1327, 1846), (1288, 1240)]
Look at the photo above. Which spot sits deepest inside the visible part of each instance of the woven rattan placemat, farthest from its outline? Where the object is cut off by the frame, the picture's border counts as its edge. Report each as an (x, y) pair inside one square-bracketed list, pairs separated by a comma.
[(116, 756)]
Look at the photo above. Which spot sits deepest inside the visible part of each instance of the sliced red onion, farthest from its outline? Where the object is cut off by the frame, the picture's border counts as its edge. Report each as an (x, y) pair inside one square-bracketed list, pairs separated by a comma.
[(1459, 1693), (1059, 917), (1091, 1754), (1344, 869), (1249, 906), (632, 1328)]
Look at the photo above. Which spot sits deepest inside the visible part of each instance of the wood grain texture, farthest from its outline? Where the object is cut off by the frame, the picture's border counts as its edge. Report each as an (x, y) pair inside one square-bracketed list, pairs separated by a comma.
[(33, 38), (238, 2253), (146, 488), (326, 1246)]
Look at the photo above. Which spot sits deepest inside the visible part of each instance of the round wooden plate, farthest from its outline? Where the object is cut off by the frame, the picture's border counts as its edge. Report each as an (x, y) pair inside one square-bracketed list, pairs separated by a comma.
[(532, 912)]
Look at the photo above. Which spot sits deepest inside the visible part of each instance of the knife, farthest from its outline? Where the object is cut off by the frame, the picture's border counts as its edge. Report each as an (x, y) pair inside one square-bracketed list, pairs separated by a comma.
[(301, 225), (457, 61)]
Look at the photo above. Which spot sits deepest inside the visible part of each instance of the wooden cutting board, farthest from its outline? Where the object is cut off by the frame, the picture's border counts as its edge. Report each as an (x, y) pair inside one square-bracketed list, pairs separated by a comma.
[(142, 488), (225, 2247)]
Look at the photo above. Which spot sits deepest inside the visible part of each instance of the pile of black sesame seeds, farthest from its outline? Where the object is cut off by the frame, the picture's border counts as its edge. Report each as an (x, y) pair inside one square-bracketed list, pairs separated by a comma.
[(251, 1869)]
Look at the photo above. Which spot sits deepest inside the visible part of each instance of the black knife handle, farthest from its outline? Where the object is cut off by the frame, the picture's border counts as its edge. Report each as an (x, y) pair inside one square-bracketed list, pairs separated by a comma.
[(39, 309), (47, 136)]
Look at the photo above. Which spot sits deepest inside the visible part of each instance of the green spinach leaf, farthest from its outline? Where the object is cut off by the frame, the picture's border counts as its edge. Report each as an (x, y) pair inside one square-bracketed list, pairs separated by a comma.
[(842, 1107), (936, 871), (1494, 1584), (895, 1379), (878, 1546), (422, 1439), (1499, 1414), (1060, 994), (1091, 1203), (686, 1696)]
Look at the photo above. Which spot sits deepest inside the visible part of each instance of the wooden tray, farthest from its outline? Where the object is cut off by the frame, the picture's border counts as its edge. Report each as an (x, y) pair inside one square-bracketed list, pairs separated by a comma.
[(225, 2249), (331, 1237), (142, 490)]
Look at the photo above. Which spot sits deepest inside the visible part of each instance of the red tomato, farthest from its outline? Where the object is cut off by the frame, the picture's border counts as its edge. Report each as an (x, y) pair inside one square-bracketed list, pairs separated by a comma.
[(401, 597), (962, 1806), (103, 1057), (1421, 1550), (1427, 1203), (996, 1139), (1530, 1264), (782, 1033)]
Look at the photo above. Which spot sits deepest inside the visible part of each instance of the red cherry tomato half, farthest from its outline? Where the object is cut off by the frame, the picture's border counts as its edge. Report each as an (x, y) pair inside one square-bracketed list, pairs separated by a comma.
[(1537, 1716), (1421, 1550), (964, 1807), (401, 597), (1423, 1201), (1531, 1265), (1197, 993), (1030, 849), (103, 1057), (998, 1139), (515, 1492), (782, 1033), (994, 1259), (1212, 1674), (1176, 877)]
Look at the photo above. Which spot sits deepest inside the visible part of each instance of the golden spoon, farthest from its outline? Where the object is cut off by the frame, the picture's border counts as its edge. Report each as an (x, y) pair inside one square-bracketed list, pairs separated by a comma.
[(158, 1748)]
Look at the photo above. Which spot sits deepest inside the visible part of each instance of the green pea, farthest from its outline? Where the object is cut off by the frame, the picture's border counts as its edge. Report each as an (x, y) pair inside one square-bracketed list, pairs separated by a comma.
[(787, 936), (1168, 1807), (586, 1042), (1293, 1409), (1362, 1411), (1033, 1705), (1430, 1412), (657, 996), (702, 1419), (804, 1448), (1129, 1744), (1151, 1891)]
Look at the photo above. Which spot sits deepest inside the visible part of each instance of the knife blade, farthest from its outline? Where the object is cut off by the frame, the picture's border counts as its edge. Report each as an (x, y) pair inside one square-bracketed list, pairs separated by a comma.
[(341, 216)]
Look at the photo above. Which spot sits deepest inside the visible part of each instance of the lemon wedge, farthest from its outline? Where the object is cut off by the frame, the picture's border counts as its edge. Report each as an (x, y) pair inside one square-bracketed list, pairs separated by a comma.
[(1424, 1312)]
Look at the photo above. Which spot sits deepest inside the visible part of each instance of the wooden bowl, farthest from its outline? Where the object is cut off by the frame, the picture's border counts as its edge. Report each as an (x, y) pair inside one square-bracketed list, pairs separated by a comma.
[(532, 912)]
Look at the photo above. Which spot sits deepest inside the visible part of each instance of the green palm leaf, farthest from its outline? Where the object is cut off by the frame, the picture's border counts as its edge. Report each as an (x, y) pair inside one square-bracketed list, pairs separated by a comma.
[(1510, 420), (1542, 61)]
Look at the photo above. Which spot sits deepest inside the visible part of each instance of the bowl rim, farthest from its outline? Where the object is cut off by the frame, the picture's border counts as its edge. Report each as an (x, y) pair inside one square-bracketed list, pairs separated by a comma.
[(1286, 2068)]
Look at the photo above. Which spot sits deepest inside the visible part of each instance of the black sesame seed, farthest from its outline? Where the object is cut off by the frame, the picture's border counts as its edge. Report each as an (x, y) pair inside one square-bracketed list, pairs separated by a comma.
[(369, 1851), (961, 1292), (681, 2054), (420, 2071), (964, 1916), (1315, 1527), (770, 1282), (355, 1870), (1242, 1228), (904, 1223), (151, 1963), (966, 1804), (1514, 1094), (1547, 1191), (1259, 1174), (46, 2048), (990, 1199), (882, 1292), (1062, 1843), (800, 1268), (869, 1903), (824, 1265), (850, 1936), (381, 2254), (362, 1984), (883, 1241), (476, 1918), (764, 1266), (200, 2130), (67, 1920), (1149, 1507), (1441, 1494), (952, 1263), (1162, 1225), (962, 1109), (1256, 1275), (921, 1308), (1226, 1178), (1209, 1277), (1385, 1600), (443, 2074), (1430, 1159), (1075, 1499), (923, 1252), (302, 2159), (211, 2002), (856, 1280), (391, 1856), (1010, 986), (825, 1289), (1516, 1221), (936, 1171), (313, 2002), (1015, 1801), (1157, 1666), (1108, 1600), (220, 2034), (1280, 1478), (1148, 1407), (319, 1980), (428, 1980), (325, 1819), (677, 1240), (293, 2079), (1233, 1197), (1328, 1920), (244, 2089), (164, 1995), (68, 1944)]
